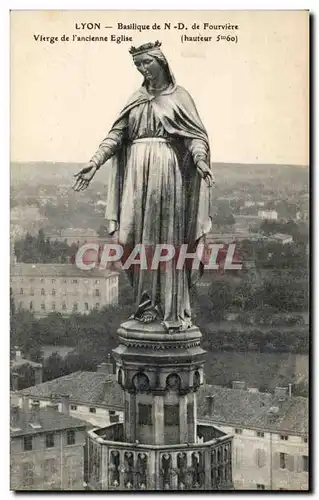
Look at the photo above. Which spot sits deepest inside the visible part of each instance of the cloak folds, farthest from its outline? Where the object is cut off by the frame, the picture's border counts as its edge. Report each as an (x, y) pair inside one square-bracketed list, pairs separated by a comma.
[(178, 115)]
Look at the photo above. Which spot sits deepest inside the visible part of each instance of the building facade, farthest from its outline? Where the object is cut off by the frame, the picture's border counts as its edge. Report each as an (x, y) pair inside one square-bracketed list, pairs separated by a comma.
[(270, 443), (62, 288), (269, 431), (46, 449), (268, 214)]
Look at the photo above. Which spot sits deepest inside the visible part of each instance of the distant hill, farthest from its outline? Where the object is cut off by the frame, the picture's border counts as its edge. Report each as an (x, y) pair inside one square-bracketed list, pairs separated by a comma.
[(271, 176)]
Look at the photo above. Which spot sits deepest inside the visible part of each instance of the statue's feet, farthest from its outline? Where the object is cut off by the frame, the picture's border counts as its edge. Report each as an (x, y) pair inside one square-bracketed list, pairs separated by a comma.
[(148, 316)]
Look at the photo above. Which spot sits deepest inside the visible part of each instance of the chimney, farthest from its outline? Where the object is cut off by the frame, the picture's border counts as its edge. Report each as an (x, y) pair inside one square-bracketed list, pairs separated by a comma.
[(65, 400), (238, 384), (25, 404), (38, 375), (14, 381), (14, 415), (281, 393), (35, 415), (17, 353), (210, 404), (106, 368)]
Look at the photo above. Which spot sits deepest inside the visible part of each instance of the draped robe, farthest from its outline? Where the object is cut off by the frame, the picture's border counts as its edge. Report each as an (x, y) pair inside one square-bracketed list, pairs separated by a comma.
[(155, 193)]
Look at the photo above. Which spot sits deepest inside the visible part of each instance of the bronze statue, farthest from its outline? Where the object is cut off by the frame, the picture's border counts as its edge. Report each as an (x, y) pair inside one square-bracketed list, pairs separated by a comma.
[(159, 188)]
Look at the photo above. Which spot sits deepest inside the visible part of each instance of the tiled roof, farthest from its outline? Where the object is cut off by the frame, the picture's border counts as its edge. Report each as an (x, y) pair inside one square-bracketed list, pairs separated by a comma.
[(244, 409), (88, 388), (231, 407), (59, 270), (48, 418)]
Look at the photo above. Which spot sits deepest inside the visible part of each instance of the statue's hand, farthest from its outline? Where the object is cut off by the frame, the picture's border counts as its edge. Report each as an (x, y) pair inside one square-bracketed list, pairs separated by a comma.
[(205, 173), (84, 177)]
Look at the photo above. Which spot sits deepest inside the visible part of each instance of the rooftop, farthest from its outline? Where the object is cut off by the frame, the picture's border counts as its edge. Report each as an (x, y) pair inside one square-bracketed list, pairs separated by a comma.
[(231, 407), (47, 419), (58, 270), (88, 388), (244, 409), (16, 363)]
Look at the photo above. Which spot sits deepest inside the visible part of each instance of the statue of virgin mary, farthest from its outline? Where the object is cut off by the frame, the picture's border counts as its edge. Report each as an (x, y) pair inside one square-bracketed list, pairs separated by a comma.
[(159, 185)]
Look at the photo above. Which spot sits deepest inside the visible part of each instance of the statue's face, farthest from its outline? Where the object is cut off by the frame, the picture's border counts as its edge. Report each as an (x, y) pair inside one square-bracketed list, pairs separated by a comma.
[(148, 66)]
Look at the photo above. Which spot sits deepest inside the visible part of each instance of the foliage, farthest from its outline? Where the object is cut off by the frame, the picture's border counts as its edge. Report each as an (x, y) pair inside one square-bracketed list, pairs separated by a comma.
[(40, 249)]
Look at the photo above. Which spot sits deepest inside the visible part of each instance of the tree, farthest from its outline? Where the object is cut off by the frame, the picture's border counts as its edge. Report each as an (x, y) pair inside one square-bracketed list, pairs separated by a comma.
[(220, 294), (54, 367)]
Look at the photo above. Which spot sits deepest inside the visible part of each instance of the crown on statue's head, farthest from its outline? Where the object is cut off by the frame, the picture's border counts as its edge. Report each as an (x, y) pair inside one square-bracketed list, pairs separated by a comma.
[(135, 51)]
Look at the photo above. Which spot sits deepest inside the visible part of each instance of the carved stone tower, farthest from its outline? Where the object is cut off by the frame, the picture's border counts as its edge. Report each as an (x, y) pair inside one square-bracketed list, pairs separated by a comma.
[(160, 374), (160, 445)]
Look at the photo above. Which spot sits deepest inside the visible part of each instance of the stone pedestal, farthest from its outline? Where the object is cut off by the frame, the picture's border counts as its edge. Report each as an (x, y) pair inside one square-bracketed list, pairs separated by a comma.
[(160, 446), (160, 373)]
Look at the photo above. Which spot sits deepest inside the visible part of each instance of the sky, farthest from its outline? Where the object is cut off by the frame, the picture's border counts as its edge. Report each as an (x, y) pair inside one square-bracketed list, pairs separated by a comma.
[(252, 95)]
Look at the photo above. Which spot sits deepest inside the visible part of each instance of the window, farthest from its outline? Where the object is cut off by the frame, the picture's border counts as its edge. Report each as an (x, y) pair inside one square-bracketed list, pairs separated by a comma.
[(305, 463), (144, 414), (75, 307), (21, 291), (97, 292), (92, 410), (112, 412), (74, 407), (31, 305), (42, 291), (53, 280), (260, 434), (261, 487), (42, 280), (97, 282), (32, 292), (63, 306), (74, 281), (27, 443), (86, 306), (20, 304), (283, 460), (53, 306), (43, 306), (305, 440), (283, 437), (27, 474), (97, 305), (238, 431), (49, 440), (71, 437), (53, 292)]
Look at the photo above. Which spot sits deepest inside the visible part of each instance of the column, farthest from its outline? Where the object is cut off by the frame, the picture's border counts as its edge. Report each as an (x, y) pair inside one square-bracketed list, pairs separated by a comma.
[(183, 420), (121, 469), (174, 478), (105, 467), (158, 419), (208, 468), (130, 417)]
